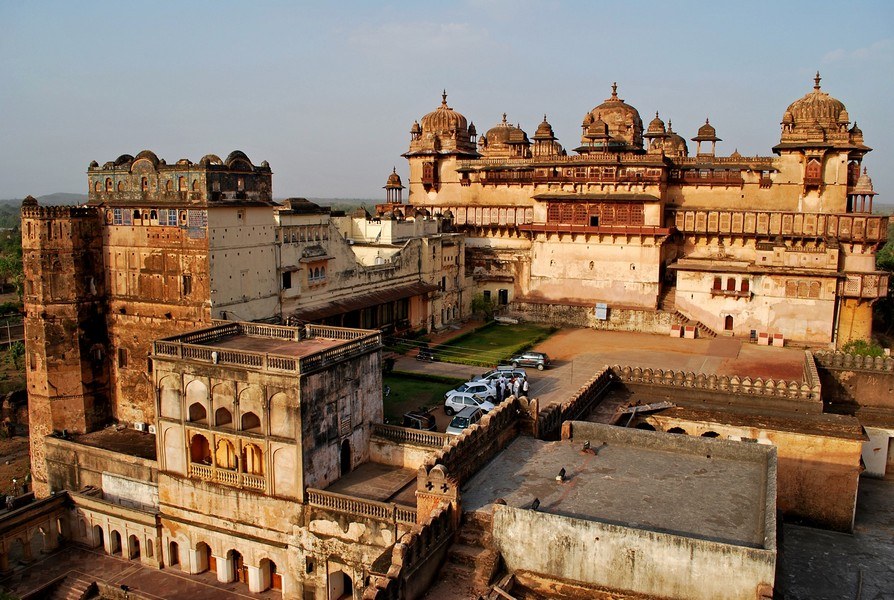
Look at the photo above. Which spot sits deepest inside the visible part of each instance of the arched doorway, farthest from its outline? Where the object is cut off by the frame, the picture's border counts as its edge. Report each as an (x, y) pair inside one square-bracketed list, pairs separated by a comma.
[(340, 586), (240, 571), (677, 430), (728, 323), (345, 457), (204, 560), (173, 554), (115, 543), (133, 547), (645, 426), (270, 579), (98, 537), (710, 434)]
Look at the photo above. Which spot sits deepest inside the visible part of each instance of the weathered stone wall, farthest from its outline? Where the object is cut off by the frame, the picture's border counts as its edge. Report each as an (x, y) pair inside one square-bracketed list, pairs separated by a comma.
[(630, 559), (619, 318), (74, 466)]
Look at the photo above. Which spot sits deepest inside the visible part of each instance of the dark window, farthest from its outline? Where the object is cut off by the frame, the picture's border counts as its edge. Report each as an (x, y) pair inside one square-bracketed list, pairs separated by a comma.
[(487, 295), (745, 285), (287, 280), (504, 296), (718, 283), (731, 285), (187, 285), (122, 357), (594, 220)]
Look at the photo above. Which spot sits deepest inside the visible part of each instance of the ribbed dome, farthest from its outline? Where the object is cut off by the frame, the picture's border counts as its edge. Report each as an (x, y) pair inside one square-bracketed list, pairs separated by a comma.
[(444, 119), (394, 181), (625, 127), (864, 184), (817, 106), (544, 131), (706, 133), (505, 133), (656, 127), (674, 143)]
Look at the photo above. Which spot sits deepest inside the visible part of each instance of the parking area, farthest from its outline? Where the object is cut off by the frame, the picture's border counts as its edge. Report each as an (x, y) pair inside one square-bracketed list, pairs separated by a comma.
[(579, 353)]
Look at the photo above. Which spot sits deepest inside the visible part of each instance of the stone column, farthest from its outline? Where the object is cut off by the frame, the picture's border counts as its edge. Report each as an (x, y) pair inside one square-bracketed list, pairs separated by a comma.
[(225, 571), (193, 559), (255, 579), (4, 562)]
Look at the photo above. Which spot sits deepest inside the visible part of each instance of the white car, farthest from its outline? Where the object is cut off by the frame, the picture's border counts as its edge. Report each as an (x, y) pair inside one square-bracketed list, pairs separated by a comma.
[(506, 372), (479, 394)]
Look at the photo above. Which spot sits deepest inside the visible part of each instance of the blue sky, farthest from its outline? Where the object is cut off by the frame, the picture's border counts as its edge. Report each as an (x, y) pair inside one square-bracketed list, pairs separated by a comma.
[(327, 92)]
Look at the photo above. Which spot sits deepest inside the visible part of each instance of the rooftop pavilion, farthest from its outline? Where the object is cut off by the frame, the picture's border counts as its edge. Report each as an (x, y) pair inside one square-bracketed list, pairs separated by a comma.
[(262, 347)]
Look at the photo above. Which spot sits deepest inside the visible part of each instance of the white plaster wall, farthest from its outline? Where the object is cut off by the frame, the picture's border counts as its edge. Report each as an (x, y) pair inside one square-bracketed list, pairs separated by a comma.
[(129, 492), (622, 558), (875, 450)]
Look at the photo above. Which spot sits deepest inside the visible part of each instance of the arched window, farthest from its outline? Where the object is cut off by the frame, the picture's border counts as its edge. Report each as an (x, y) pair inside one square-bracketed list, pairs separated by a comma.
[(181, 183), (730, 284), (250, 421), (153, 215), (169, 185), (718, 283), (195, 185), (144, 184), (120, 186), (677, 430), (728, 323), (225, 454), (710, 434), (97, 187), (252, 459), (136, 215), (108, 184), (197, 413), (199, 449), (222, 417), (746, 285)]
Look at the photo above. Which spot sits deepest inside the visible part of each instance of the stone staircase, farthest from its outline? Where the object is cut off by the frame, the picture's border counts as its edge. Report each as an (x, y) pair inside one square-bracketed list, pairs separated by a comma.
[(667, 300), (703, 330), (74, 587), (471, 562)]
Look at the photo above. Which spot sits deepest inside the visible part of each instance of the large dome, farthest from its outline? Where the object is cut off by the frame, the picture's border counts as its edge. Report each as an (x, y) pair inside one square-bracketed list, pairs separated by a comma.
[(442, 131), (504, 140), (444, 119), (625, 127), (817, 106)]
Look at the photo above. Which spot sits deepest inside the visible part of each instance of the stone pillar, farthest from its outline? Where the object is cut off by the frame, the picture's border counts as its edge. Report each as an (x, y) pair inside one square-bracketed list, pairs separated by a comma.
[(193, 559), (26, 549), (225, 571), (4, 562), (255, 579), (51, 538)]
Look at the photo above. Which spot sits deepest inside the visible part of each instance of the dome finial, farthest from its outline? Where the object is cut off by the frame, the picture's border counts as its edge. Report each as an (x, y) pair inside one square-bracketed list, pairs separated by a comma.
[(504, 118), (816, 81), (544, 117), (444, 98), (615, 90)]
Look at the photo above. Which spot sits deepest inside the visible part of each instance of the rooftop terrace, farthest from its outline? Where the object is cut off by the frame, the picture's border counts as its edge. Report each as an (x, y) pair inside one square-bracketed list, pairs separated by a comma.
[(264, 347), (709, 489)]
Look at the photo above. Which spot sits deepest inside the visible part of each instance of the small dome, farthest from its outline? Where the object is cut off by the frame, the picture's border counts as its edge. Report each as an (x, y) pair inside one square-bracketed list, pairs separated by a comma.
[(706, 133), (145, 154), (656, 128), (416, 127), (210, 159), (504, 140), (544, 131), (735, 154), (864, 184), (127, 158), (394, 181), (238, 159), (674, 143), (472, 130), (598, 129), (29, 201), (93, 164), (856, 130)]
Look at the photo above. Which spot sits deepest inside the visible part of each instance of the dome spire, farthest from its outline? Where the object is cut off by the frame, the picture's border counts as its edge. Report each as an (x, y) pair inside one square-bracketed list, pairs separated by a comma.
[(615, 90), (444, 97), (816, 81)]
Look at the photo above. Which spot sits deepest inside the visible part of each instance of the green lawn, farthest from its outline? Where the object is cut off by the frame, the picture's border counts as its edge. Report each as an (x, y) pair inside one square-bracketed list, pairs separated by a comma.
[(409, 392), (492, 344)]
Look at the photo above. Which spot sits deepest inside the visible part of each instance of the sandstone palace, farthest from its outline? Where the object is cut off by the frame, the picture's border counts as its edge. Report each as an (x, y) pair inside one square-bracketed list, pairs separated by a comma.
[(204, 363), (778, 245)]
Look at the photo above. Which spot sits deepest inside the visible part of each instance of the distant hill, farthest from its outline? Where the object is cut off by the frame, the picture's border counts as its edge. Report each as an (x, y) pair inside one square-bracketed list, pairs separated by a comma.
[(57, 199)]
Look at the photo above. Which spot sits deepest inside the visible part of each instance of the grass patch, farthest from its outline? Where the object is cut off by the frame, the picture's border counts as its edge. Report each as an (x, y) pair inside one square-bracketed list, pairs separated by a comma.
[(410, 391), (492, 344)]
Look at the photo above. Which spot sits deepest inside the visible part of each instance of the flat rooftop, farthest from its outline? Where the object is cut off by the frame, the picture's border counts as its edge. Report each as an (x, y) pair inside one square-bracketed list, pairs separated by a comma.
[(260, 346), (673, 490), (382, 483), (123, 441)]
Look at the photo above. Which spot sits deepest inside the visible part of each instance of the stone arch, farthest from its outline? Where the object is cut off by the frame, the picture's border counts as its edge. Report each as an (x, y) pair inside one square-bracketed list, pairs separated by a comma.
[(237, 564), (173, 553), (677, 430), (225, 454), (172, 447), (284, 476), (270, 578), (252, 459), (199, 449), (250, 400), (645, 426), (98, 537), (197, 391), (710, 434), (250, 422), (345, 457), (198, 413), (223, 418), (169, 396), (282, 419), (115, 547), (133, 547), (203, 557)]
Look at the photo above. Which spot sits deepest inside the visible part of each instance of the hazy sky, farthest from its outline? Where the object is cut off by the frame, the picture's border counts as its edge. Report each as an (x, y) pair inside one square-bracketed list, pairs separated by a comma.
[(327, 92)]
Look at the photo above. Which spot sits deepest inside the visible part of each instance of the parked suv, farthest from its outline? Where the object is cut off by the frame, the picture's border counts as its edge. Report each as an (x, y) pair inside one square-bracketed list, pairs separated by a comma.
[(479, 394), (506, 371), (464, 419), (530, 359), (419, 419)]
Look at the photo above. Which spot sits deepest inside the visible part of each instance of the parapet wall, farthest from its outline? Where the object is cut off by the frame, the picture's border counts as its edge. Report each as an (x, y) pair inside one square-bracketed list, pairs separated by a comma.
[(619, 319), (859, 385), (549, 420)]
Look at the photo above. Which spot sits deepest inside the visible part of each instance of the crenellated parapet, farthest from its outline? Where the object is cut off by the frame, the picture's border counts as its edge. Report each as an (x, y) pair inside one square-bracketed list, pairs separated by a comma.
[(845, 360), (416, 555), (731, 384)]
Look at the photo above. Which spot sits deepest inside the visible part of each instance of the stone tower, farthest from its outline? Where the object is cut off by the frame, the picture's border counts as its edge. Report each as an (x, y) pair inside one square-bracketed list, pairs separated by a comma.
[(66, 339)]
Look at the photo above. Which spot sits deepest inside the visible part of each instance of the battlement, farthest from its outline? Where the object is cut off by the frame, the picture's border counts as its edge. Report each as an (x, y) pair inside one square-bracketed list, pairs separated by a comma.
[(35, 211)]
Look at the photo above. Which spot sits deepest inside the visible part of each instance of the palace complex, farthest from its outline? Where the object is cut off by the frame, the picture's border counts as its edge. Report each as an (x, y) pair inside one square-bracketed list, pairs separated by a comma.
[(632, 230), (204, 363)]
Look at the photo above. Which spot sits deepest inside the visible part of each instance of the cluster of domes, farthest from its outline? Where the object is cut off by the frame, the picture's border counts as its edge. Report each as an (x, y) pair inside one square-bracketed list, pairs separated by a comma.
[(236, 161), (442, 131), (613, 125), (505, 140)]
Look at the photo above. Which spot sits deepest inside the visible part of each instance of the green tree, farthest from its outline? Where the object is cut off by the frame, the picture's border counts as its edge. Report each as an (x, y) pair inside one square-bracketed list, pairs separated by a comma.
[(884, 308), (482, 304)]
